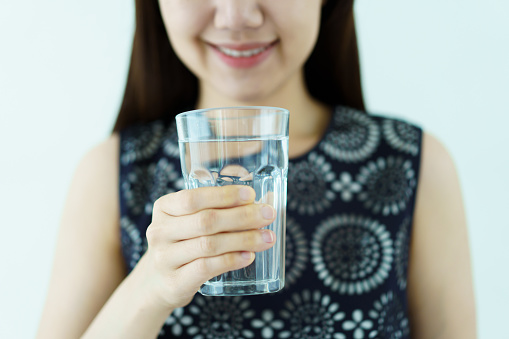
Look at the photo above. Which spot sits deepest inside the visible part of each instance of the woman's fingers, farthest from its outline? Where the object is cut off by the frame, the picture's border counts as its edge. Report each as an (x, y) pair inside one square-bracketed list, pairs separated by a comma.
[(201, 270), (171, 229), (213, 221), (191, 201), (187, 251)]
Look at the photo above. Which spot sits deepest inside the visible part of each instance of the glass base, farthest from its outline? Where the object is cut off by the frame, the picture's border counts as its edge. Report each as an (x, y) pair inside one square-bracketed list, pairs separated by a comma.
[(241, 288)]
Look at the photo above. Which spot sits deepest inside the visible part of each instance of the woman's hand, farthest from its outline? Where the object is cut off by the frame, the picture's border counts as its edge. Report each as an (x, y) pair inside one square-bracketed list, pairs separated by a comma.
[(198, 234)]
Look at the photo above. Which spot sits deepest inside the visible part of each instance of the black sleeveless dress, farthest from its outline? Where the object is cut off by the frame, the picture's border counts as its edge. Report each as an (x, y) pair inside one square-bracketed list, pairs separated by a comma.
[(349, 220)]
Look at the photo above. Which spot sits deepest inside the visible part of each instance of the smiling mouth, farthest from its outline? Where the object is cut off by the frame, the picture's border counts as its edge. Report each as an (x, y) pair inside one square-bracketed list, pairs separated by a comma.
[(243, 51), (246, 55), (242, 54)]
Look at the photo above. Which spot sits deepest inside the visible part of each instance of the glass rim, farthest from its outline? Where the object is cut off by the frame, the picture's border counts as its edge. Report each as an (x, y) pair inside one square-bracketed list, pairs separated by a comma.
[(195, 112)]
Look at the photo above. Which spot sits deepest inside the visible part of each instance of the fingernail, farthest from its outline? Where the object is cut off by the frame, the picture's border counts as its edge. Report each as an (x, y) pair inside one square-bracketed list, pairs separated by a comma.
[(267, 236), (267, 212), (247, 255), (245, 193)]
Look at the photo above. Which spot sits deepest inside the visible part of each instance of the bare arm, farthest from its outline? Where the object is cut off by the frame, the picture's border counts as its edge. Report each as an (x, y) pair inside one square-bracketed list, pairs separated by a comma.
[(440, 291), (88, 264)]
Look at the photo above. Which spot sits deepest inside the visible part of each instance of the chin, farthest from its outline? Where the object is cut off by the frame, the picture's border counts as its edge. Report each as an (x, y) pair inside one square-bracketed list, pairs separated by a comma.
[(250, 98), (244, 94), (251, 93)]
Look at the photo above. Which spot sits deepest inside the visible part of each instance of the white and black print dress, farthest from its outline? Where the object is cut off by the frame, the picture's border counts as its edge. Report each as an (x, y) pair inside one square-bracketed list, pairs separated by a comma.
[(350, 207)]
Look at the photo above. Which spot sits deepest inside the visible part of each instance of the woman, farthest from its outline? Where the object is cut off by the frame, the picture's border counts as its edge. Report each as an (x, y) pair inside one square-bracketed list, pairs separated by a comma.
[(377, 244)]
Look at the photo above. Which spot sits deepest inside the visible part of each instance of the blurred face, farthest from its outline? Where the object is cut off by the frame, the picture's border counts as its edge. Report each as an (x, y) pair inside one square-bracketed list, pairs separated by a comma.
[(243, 49)]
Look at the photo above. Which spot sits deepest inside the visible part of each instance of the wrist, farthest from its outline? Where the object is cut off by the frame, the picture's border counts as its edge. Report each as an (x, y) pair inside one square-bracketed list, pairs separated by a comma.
[(149, 288), (134, 310)]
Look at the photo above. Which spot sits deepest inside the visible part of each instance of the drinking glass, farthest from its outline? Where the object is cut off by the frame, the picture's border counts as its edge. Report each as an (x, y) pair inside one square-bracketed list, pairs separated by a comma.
[(241, 146)]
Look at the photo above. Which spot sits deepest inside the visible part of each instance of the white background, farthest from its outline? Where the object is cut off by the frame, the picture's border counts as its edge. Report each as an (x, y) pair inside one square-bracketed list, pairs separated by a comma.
[(63, 65)]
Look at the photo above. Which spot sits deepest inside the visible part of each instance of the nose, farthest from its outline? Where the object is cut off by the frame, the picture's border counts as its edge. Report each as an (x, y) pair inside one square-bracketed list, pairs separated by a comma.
[(237, 14)]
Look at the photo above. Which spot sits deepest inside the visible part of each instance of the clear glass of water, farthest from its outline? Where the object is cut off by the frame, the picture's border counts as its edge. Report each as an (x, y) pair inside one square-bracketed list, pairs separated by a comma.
[(241, 146)]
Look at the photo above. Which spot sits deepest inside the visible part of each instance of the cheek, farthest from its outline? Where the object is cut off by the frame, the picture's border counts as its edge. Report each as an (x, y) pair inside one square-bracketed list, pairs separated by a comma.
[(184, 21), (187, 46), (298, 28)]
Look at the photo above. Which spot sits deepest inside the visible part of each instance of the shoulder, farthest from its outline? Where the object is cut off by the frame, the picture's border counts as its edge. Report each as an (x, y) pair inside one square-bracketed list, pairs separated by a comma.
[(439, 204), (105, 149), (437, 162), (438, 181), (96, 176), (101, 158)]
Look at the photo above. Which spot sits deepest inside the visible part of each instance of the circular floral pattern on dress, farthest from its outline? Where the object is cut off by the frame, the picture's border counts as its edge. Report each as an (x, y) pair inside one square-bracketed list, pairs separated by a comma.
[(170, 143), (165, 179), (220, 318), (346, 187), (352, 254), (143, 144), (309, 182), (389, 317), (358, 324), (402, 136), (267, 324), (176, 322), (132, 243), (388, 185), (296, 257), (311, 315), (354, 136), (401, 252), (135, 187)]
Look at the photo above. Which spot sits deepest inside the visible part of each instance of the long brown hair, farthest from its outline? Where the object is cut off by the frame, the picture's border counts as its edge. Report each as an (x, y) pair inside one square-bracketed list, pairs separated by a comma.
[(159, 86)]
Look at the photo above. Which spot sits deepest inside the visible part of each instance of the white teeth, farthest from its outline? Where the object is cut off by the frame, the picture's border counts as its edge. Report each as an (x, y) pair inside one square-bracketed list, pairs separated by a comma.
[(241, 54)]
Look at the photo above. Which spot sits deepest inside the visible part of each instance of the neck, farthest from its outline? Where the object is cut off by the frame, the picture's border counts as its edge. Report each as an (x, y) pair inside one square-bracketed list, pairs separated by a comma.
[(308, 116)]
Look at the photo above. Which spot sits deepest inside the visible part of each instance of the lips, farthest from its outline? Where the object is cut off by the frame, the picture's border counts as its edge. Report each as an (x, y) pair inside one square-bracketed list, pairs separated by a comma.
[(243, 55)]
